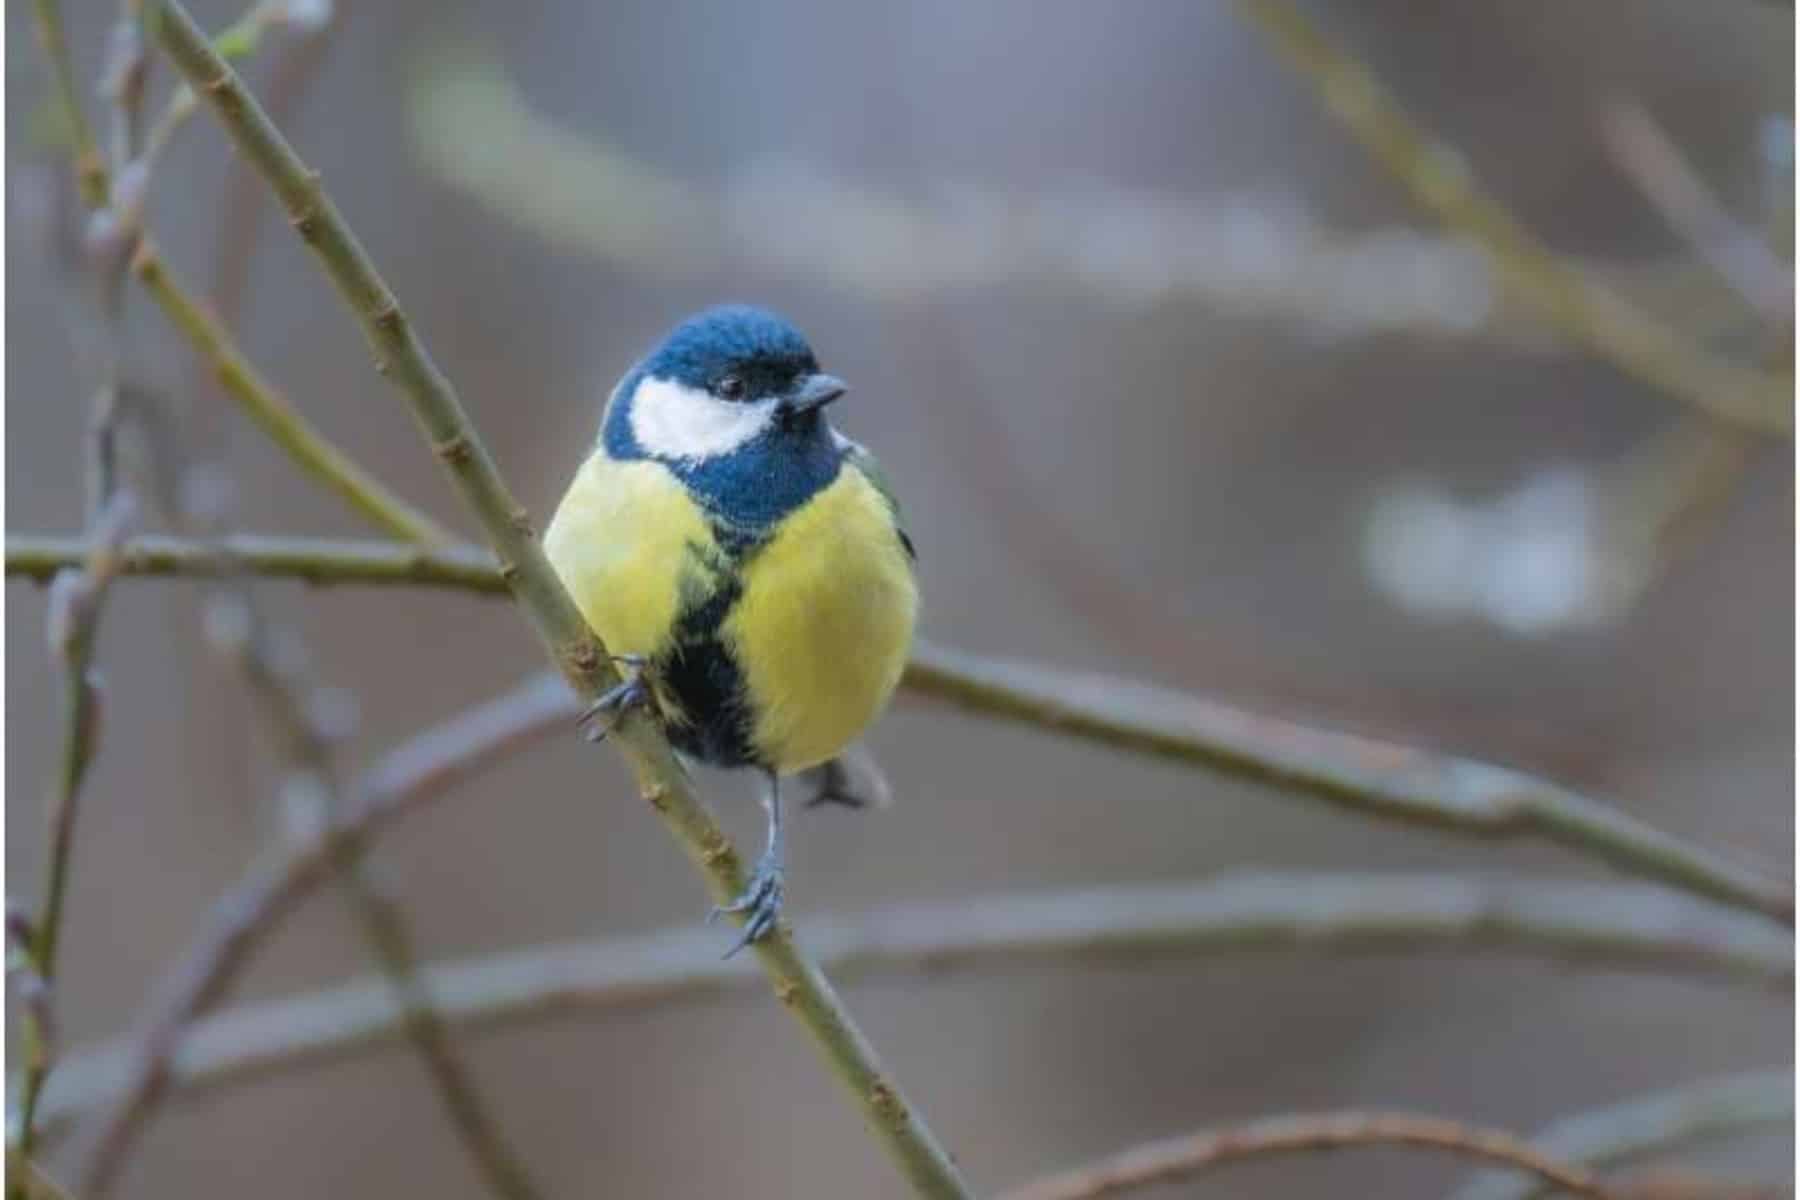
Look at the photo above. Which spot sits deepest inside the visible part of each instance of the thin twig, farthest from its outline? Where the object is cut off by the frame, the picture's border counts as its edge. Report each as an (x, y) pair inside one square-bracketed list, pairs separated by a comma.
[(298, 712), (1185, 1157), (314, 560), (400, 355), (238, 41), (1654, 1124), (1584, 310), (29, 1180), (1367, 776), (1597, 926), (76, 606), (314, 453), (77, 598), (235, 243), (286, 427), (419, 770), (90, 167), (1738, 254)]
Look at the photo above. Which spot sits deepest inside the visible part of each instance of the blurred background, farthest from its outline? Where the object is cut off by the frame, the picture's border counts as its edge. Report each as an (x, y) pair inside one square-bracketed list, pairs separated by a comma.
[(1175, 383)]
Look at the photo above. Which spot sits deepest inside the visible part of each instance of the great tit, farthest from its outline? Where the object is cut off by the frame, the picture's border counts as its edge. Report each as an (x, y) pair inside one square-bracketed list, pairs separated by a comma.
[(745, 561)]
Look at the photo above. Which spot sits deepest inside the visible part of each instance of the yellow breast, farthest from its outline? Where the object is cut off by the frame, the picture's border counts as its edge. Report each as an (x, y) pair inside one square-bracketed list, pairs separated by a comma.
[(823, 628), (620, 540)]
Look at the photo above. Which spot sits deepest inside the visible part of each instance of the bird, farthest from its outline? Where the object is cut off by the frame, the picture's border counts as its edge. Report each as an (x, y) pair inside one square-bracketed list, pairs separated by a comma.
[(745, 563)]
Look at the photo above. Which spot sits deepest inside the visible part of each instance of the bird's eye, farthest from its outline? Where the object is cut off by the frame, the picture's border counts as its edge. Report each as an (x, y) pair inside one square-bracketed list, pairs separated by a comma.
[(731, 387)]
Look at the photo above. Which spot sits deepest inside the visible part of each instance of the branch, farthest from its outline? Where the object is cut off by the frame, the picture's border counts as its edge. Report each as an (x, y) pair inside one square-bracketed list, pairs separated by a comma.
[(76, 605), (1671, 185), (1654, 1124), (90, 167), (401, 356), (305, 445), (1371, 778), (1584, 310), (473, 129), (286, 427), (314, 560), (76, 601), (29, 1179), (296, 710), (1184, 1157), (409, 776), (1597, 926)]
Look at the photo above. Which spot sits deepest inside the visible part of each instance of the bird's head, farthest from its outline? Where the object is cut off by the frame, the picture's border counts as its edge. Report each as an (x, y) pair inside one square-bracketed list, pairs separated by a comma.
[(724, 378)]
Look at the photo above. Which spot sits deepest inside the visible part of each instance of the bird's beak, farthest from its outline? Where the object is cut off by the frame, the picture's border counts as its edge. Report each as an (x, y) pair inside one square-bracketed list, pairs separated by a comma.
[(814, 393)]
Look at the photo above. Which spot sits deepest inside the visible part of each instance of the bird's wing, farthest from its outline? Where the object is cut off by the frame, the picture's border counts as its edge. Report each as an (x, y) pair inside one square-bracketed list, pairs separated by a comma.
[(858, 456)]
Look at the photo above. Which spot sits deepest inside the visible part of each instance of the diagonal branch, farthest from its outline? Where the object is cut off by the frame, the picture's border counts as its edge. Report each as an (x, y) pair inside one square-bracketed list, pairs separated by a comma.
[(400, 355), (309, 449), (1382, 780), (305, 445), (416, 772), (1185, 1157), (1372, 778), (90, 165), (296, 710), (1583, 309), (1595, 926)]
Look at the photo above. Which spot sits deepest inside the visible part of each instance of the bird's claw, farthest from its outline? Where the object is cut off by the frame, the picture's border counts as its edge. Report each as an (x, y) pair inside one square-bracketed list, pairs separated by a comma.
[(631, 692), (760, 902)]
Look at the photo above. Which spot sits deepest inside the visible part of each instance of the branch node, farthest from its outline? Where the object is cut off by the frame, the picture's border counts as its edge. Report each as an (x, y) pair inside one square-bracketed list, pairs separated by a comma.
[(886, 1104), (454, 450)]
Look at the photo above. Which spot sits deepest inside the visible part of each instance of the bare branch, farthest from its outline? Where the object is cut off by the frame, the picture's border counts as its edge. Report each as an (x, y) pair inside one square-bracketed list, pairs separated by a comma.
[(400, 355), (298, 711), (1195, 1154), (90, 167), (1595, 926), (1739, 256), (310, 450), (1654, 1124), (1579, 306), (314, 560), (1254, 256), (29, 1180), (1373, 778), (411, 775), (1362, 775)]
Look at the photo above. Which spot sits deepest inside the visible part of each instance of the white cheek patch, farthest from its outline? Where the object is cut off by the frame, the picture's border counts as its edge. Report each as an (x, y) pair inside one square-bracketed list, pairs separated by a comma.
[(670, 420)]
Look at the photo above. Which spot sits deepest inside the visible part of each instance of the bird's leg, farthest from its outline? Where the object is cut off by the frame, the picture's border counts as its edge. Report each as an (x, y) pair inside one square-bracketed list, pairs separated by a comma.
[(630, 692), (760, 901)]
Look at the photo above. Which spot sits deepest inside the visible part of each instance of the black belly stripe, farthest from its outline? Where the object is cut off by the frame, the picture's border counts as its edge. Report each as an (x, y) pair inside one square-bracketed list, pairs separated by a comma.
[(700, 670)]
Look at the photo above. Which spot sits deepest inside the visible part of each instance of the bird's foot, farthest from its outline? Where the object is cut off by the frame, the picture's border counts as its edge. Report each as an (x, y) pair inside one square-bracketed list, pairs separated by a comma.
[(759, 902), (604, 714)]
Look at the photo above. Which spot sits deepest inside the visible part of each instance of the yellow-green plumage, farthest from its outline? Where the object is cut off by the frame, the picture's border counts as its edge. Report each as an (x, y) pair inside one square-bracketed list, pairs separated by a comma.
[(823, 628), (820, 631)]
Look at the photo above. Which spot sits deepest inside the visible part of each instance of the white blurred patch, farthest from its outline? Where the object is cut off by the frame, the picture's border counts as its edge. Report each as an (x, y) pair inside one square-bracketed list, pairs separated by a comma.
[(1533, 561), (673, 421)]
